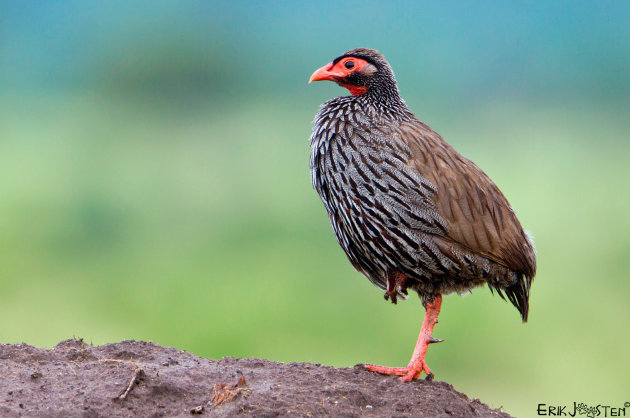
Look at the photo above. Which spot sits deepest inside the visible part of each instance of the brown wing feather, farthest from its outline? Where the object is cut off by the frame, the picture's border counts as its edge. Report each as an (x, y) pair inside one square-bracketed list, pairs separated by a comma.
[(479, 217)]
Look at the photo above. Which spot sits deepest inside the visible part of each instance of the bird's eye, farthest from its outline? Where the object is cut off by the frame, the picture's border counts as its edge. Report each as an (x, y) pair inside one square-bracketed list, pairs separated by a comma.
[(349, 65)]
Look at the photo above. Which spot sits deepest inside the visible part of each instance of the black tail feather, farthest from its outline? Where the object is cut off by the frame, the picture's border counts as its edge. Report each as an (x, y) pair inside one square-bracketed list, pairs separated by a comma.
[(517, 293)]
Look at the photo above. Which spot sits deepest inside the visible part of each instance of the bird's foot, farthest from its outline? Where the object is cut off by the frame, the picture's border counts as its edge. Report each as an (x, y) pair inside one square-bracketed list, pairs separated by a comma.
[(409, 373), (396, 287), (417, 365), (394, 294)]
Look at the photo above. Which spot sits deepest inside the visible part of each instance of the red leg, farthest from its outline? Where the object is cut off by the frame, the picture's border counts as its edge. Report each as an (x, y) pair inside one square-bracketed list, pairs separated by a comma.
[(417, 364)]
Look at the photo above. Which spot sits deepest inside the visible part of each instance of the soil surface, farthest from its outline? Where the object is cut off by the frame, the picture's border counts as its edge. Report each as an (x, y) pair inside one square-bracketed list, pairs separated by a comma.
[(134, 378)]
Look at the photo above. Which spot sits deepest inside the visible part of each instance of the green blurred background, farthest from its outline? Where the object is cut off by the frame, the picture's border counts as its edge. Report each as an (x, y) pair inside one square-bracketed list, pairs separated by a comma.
[(154, 182)]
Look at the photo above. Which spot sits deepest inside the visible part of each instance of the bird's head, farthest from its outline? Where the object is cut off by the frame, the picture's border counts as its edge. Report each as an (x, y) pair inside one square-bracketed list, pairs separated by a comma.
[(360, 70)]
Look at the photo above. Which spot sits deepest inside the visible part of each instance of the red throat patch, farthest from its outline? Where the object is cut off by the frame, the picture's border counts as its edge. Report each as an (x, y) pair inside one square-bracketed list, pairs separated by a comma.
[(354, 90)]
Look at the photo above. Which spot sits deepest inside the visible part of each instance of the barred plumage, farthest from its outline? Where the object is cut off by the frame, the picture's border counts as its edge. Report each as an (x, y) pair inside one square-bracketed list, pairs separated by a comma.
[(402, 202)]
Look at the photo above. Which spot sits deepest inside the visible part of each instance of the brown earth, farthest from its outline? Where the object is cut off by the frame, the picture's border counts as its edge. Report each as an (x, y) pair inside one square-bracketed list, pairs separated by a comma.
[(133, 378)]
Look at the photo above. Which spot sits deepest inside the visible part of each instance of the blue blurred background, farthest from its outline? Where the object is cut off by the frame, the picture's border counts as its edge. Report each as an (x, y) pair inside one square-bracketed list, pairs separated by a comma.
[(154, 182)]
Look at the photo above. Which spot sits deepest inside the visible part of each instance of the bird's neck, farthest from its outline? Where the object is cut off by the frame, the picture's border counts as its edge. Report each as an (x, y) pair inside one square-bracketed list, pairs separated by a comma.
[(384, 100)]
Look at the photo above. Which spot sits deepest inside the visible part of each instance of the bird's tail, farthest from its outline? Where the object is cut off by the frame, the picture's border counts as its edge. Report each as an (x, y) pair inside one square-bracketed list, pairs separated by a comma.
[(517, 293)]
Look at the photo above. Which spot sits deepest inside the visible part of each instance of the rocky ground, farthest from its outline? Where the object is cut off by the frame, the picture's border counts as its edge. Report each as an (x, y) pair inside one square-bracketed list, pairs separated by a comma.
[(134, 378)]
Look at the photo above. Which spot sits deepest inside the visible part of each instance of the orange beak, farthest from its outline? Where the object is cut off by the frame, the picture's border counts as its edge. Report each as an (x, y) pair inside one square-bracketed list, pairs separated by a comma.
[(327, 72)]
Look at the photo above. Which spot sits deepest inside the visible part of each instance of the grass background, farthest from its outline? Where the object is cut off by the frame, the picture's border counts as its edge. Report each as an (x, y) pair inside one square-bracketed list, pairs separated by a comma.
[(155, 185)]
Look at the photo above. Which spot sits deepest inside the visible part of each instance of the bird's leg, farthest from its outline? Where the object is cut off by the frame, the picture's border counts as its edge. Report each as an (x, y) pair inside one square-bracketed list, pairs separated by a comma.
[(396, 286), (417, 364)]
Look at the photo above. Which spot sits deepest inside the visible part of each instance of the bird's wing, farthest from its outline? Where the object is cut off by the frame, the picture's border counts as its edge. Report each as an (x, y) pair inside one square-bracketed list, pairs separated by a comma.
[(388, 189), (477, 215)]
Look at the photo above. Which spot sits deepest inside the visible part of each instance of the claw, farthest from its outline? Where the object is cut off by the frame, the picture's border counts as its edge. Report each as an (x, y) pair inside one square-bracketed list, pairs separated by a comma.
[(396, 286), (434, 340), (392, 295)]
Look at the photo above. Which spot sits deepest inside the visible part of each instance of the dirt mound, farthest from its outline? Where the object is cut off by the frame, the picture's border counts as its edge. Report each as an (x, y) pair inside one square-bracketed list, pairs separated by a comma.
[(145, 379)]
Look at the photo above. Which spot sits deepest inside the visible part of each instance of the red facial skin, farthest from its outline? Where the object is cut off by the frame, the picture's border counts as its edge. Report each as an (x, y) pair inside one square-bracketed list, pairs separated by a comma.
[(337, 72)]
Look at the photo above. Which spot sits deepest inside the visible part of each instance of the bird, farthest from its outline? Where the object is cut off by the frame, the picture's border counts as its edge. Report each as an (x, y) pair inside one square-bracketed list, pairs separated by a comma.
[(409, 211)]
